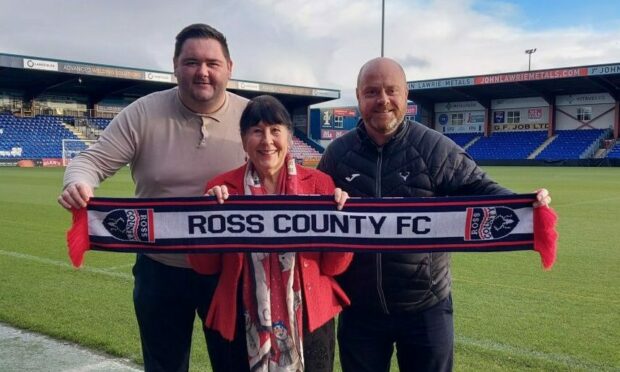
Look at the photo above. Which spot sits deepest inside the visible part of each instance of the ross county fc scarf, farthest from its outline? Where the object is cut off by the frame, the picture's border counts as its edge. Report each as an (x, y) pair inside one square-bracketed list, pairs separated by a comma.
[(278, 223)]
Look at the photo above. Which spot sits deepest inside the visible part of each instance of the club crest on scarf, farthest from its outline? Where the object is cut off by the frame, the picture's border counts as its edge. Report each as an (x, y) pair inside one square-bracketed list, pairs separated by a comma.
[(134, 225), (489, 223)]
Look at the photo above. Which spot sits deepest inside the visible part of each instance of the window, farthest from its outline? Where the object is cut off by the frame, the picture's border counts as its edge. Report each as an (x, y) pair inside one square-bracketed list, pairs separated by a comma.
[(338, 121), (584, 113), (457, 119), (513, 117)]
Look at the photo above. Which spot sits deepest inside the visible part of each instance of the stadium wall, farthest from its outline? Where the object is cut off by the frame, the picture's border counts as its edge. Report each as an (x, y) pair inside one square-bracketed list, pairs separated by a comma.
[(327, 124)]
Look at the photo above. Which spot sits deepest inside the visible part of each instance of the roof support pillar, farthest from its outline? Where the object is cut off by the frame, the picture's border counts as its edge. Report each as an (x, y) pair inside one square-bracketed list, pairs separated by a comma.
[(487, 121), (551, 129), (617, 119)]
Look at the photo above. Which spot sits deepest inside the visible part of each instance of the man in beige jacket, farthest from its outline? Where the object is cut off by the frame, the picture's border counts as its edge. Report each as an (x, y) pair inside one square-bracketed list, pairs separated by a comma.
[(174, 141)]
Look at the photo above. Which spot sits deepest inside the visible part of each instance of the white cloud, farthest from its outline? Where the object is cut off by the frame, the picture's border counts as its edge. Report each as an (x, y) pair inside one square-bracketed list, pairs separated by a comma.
[(308, 43)]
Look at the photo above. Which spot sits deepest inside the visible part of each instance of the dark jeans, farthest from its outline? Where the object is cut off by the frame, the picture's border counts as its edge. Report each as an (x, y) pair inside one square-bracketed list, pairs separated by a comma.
[(424, 340), (166, 301)]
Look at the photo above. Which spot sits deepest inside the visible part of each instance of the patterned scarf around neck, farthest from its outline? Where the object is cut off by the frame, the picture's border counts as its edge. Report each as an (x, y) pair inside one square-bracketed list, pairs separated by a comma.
[(272, 298)]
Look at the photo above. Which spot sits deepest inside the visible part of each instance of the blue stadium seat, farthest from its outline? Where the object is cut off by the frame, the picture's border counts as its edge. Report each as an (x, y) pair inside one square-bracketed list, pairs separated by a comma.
[(507, 145), (614, 153), (571, 144), (37, 137), (462, 139)]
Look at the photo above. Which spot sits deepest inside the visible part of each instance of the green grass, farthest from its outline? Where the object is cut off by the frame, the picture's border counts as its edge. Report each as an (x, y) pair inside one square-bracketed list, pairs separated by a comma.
[(510, 315)]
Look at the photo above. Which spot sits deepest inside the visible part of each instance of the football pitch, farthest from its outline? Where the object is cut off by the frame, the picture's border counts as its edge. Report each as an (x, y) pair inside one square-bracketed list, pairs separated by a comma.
[(510, 315)]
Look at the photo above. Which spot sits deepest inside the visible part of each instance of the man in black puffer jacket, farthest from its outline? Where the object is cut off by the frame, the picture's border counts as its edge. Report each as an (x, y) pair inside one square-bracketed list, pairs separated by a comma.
[(398, 298)]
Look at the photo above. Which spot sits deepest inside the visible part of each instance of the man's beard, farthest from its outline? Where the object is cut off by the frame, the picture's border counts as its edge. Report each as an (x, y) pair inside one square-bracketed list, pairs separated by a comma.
[(388, 127)]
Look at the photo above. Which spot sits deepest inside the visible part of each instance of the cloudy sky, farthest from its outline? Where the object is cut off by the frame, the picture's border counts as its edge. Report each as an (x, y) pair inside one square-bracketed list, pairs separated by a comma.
[(322, 43)]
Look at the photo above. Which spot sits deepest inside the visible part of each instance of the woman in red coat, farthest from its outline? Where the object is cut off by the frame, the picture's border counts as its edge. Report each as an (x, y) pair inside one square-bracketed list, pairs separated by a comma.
[(276, 309)]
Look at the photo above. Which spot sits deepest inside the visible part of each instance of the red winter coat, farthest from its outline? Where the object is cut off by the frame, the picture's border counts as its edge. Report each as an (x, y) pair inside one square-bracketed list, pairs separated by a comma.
[(323, 297)]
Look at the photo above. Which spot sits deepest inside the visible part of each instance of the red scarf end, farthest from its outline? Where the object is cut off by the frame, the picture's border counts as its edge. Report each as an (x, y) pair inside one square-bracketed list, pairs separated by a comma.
[(77, 237), (545, 235)]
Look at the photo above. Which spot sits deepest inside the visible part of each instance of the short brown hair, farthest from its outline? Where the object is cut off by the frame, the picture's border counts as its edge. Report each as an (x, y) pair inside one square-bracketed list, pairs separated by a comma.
[(200, 30)]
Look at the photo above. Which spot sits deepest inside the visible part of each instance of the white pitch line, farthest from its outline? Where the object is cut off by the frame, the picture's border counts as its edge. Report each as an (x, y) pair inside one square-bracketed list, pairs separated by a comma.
[(563, 359), (65, 264), (112, 268), (43, 353)]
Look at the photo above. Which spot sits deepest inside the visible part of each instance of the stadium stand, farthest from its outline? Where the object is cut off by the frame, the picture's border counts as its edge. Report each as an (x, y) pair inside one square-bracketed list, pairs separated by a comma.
[(41, 137), (463, 139), (614, 153), (573, 144), (32, 137), (303, 152), (99, 123), (507, 145)]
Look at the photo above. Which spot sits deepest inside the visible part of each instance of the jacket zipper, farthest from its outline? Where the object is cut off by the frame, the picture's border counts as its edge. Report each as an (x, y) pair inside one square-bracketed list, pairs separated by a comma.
[(382, 300)]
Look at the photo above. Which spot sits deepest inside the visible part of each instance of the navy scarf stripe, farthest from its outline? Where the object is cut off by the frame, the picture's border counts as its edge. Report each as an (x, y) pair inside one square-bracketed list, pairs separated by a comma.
[(494, 223)]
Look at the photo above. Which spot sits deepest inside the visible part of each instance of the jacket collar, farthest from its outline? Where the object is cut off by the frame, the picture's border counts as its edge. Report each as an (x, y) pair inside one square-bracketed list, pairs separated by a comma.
[(403, 127)]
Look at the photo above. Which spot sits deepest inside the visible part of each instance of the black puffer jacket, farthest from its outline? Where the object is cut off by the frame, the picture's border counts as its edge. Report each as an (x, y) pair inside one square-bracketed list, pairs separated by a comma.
[(416, 162)]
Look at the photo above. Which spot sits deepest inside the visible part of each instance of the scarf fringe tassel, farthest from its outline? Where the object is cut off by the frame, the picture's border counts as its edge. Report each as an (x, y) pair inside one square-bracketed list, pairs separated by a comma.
[(545, 235), (77, 237)]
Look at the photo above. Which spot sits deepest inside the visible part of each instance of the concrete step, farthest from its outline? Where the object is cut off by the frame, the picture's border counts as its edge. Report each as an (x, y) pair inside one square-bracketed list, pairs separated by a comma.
[(540, 148), (78, 133)]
